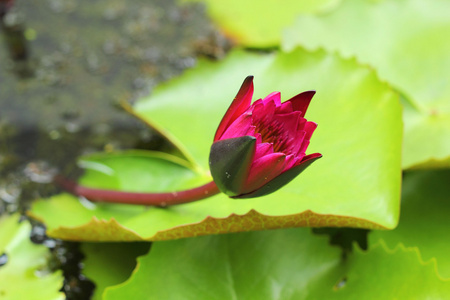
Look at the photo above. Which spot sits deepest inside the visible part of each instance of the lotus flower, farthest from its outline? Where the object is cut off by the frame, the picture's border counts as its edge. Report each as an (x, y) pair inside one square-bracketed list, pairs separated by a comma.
[(260, 147)]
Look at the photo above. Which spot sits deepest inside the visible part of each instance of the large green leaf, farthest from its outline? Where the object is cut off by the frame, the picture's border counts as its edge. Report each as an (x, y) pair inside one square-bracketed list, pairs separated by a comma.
[(282, 264), (279, 264), (256, 23), (24, 276), (381, 273), (108, 264), (359, 130), (356, 183), (404, 42), (425, 219)]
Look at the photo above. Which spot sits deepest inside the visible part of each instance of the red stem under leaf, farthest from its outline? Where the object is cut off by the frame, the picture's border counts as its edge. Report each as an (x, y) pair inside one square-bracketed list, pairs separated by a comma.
[(154, 199)]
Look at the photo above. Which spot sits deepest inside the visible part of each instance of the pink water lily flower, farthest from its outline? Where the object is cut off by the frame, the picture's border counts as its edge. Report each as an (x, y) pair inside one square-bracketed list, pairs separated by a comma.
[(260, 147)]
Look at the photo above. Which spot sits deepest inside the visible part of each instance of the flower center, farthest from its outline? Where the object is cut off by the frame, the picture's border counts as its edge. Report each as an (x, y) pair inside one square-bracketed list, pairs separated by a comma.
[(272, 132)]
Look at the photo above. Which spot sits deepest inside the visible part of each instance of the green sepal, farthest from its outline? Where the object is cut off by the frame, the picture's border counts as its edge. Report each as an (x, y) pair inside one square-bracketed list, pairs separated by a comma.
[(281, 180), (230, 161)]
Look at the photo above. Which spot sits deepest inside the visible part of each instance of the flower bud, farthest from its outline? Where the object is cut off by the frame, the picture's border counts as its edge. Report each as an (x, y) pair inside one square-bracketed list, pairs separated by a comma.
[(260, 147)]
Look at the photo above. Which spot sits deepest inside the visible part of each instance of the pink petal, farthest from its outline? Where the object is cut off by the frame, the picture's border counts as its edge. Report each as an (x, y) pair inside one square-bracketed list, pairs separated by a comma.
[(301, 101), (285, 108), (297, 142), (264, 170), (263, 149), (257, 102), (240, 127), (309, 128), (258, 138), (258, 109), (239, 105), (301, 124), (303, 147), (290, 122), (263, 112), (290, 162), (275, 97), (270, 106), (309, 157)]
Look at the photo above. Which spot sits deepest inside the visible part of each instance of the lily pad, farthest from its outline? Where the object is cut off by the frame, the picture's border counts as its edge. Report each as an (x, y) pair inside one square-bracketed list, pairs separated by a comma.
[(355, 184), (260, 23), (353, 106), (403, 41), (424, 220), (108, 264), (279, 264), (381, 273), (24, 275)]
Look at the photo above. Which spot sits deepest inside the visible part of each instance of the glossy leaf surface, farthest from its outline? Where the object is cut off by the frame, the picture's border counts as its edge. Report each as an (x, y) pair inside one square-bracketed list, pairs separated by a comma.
[(277, 264), (404, 42), (381, 273), (424, 221), (280, 264)]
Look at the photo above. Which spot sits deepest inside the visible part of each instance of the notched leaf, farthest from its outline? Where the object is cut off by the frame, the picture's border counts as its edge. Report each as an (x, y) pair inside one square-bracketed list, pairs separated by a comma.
[(96, 231), (100, 230), (254, 221)]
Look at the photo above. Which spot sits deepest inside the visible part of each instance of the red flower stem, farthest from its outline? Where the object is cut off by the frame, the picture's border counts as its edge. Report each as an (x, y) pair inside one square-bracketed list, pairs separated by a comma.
[(154, 199)]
